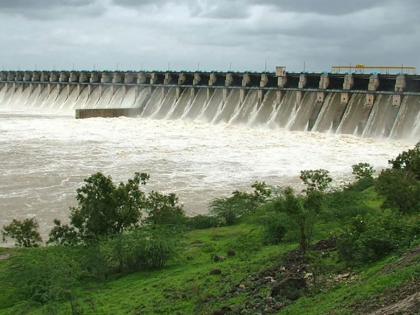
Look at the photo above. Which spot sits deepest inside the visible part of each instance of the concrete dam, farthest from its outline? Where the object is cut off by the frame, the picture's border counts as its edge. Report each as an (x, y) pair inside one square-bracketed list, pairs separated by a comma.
[(367, 105)]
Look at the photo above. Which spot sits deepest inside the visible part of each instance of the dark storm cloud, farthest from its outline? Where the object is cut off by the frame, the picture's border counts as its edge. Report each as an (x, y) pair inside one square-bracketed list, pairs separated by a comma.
[(50, 9), (182, 33), (241, 8), (325, 7)]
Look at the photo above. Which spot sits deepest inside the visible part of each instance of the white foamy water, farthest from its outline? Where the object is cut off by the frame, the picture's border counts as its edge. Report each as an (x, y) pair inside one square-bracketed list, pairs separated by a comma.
[(44, 158)]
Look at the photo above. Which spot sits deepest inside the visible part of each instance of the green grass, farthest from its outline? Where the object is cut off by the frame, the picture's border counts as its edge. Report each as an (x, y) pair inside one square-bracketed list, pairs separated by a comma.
[(185, 283), (186, 287)]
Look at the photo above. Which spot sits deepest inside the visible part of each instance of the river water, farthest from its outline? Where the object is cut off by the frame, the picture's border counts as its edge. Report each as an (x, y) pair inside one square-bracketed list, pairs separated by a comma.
[(45, 157)]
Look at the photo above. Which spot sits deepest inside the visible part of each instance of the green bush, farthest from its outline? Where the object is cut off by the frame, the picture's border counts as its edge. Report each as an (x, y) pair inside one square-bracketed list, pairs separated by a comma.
[(274, 229), (344, 205), (372, 237), (141, 249), (63, 234), (316, 180), (25, 233), (400, 189), (362, 170), (164, 209), (408, 161), (230, 209), (202, 222), (362, 184), (400, 185), (44, 275)]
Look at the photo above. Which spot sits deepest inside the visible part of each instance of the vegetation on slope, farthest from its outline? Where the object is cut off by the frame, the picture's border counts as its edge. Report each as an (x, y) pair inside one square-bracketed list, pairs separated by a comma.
[(351, 250)]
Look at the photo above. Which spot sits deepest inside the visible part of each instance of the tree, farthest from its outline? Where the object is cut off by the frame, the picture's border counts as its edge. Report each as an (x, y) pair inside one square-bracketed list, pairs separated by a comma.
[(304, 209), (105, 209), (25, 233), (362, 170)]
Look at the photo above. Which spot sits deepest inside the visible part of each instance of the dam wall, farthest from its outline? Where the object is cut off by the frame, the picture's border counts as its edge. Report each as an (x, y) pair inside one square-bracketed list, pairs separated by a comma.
[(368, 105)]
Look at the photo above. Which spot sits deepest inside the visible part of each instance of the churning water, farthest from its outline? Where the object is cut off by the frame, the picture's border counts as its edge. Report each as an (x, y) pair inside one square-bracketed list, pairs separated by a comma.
[(45, 157)]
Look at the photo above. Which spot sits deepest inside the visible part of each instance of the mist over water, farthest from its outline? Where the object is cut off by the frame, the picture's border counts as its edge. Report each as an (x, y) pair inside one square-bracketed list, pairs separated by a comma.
[(45, 157)]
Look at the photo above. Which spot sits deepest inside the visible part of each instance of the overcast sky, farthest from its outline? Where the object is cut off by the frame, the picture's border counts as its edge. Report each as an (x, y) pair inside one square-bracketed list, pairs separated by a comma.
[(210, 34)]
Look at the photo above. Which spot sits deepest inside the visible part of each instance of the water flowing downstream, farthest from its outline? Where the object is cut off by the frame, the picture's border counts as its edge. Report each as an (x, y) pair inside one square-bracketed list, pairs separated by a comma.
[(201, 143)]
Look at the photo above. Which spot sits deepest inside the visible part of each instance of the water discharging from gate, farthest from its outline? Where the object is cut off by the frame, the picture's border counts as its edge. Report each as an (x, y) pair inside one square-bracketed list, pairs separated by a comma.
[(214, 105)]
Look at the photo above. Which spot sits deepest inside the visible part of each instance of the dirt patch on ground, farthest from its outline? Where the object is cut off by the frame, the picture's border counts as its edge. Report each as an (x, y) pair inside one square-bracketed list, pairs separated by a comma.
[(273, 289), (407, 259), (4, 256), (402, 297), (410, 305)]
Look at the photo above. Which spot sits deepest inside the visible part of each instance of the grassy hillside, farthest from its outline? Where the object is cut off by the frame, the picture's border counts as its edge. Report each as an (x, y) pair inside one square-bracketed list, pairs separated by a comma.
[(196, 284), (353, 250)]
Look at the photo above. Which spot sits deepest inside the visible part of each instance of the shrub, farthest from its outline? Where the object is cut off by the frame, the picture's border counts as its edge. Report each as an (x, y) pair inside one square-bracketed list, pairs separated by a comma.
[(316, 180), (25, 233), (274, 230), (362, 170), (164, 209), (202, 222), (44, 275), (369, 238), (63, 235), (140, 249), (400, 189), (408, 161), (344, 205), (230, 209)]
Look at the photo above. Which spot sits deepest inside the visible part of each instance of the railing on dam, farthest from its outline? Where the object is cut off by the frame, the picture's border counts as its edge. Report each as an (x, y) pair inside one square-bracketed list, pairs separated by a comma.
[(321, 83)]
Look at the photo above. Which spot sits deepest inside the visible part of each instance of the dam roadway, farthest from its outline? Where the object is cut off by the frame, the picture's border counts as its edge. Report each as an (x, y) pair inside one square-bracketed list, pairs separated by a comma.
[(371, 105)]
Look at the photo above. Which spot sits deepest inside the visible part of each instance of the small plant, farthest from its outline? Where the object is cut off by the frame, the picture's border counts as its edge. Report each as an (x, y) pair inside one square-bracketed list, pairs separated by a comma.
[(24, 233)]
